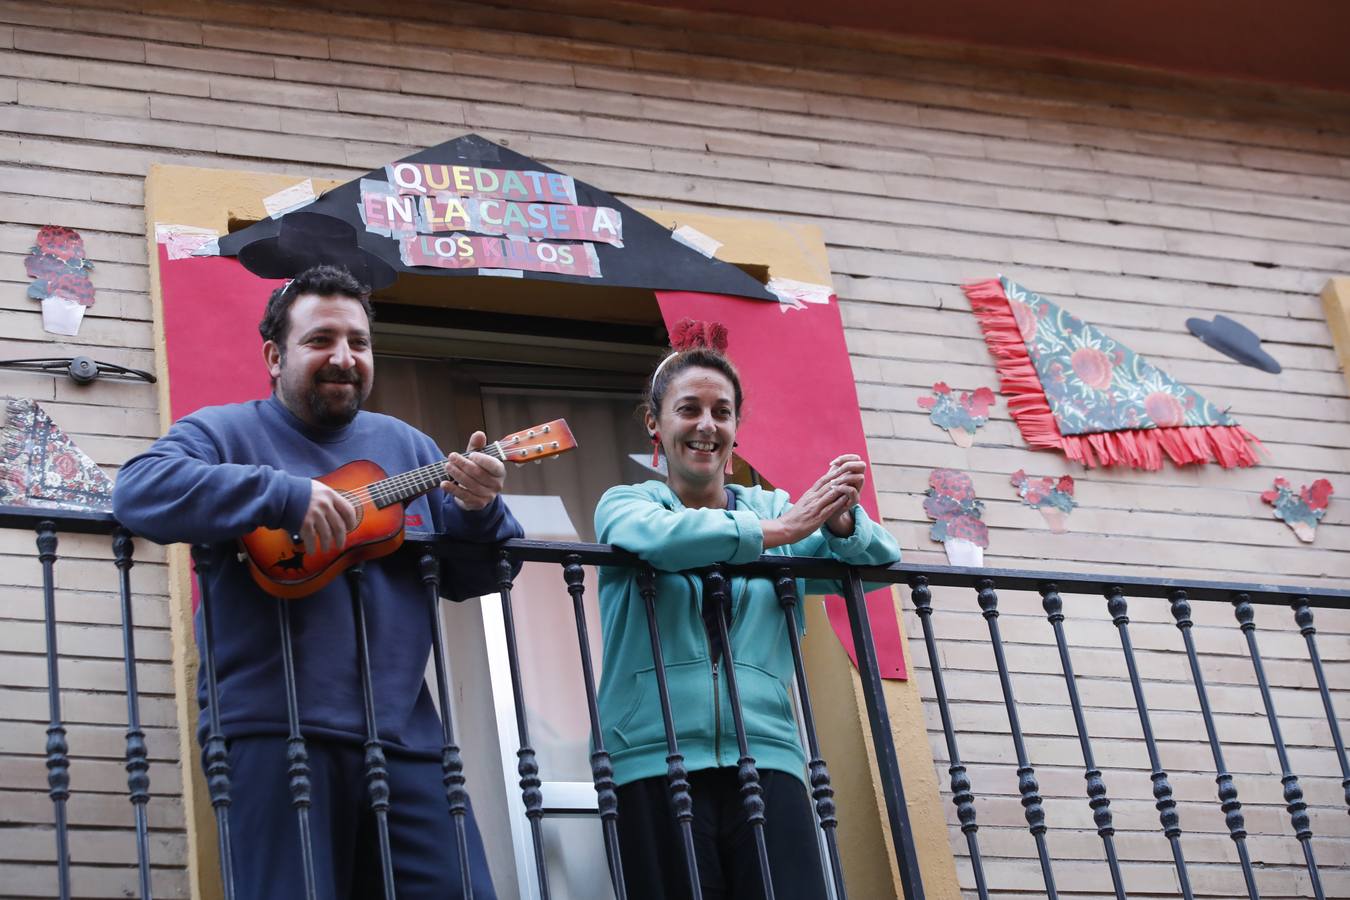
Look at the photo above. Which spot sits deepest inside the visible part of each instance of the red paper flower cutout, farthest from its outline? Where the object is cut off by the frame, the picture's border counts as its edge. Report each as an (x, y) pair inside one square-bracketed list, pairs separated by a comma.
[(72, 286), (59, 241), (978, 403), (952, 483)]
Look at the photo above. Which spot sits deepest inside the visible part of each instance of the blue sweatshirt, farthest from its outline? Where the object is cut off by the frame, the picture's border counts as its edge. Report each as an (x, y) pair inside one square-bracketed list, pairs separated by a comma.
[(649, 520), (225, 470)]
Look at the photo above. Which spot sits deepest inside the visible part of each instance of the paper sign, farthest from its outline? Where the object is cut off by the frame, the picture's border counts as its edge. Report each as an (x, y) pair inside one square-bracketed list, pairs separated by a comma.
[(61, 315), (462, 251), (289, 199), (386, 212), (508, 184), (444, 212)]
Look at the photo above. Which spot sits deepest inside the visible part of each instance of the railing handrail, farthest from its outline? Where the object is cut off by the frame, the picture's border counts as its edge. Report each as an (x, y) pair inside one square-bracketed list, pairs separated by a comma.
[(81, 521), (89, 522), (938, 576)]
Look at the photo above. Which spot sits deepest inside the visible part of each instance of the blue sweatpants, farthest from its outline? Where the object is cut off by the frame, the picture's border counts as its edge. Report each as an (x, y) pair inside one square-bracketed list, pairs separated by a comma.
[(265, 833)]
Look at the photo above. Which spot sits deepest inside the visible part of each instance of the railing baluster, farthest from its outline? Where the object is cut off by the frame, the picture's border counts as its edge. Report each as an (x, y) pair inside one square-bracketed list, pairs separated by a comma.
[(822, 791), (138, 756), (297, 754), (1228, 793), (676, 773), (1162, 789), (58, 759), (752, 793), (215, 755), (1293, 793), (452, 763), (527, 765), (1026, 774), (602, 770), (962, 795), (883, 744), (377, 770), (1303, 616), (1099, 802)]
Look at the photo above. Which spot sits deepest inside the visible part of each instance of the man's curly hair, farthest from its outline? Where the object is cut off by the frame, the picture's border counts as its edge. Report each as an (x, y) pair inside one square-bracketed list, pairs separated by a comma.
[(323, 281)]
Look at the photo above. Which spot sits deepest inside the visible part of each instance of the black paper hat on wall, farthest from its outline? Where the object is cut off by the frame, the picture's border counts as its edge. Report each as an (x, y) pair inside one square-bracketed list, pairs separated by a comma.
[(1234, 340), (469, 207), (305, 239)]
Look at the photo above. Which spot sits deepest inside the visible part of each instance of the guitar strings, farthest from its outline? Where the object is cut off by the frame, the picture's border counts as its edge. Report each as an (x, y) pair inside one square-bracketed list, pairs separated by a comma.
[(416, 479), (390, 490)]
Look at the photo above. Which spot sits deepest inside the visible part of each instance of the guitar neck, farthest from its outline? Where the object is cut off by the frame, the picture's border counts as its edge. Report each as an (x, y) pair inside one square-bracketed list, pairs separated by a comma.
[(531, 445), (411, 485)]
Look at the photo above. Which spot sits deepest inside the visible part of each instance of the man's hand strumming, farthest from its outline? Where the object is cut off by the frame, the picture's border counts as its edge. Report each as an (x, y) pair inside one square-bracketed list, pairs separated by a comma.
[(328, 519)]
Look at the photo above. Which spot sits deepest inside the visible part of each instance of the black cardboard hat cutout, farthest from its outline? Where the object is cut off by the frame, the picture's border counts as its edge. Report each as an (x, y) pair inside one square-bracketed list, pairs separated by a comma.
[(1235, 341), (469, 207), (305, 239)]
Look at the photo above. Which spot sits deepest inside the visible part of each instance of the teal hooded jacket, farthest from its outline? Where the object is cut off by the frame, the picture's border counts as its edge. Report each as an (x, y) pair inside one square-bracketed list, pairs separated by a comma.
[(649, 520)]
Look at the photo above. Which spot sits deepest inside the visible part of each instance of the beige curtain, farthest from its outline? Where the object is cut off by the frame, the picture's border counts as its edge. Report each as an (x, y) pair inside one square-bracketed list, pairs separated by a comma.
[(606, 430)]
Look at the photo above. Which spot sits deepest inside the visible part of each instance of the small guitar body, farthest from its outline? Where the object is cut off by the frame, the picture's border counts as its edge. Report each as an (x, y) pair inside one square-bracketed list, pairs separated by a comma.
[(282, 566), (279, 562)]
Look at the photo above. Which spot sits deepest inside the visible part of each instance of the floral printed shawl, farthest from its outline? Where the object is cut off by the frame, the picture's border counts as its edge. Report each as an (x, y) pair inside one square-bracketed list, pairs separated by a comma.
[(41, 466), (1075, 388)]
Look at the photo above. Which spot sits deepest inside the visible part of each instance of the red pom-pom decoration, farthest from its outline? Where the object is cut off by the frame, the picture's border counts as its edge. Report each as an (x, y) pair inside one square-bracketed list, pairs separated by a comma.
[(691, 333)]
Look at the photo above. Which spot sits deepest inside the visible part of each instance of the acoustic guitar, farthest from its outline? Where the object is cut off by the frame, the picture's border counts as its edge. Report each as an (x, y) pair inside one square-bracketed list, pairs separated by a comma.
[(277, 558)]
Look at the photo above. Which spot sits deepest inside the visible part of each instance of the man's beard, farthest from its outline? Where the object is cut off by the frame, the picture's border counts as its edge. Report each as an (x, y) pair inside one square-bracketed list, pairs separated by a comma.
[(333, 412)]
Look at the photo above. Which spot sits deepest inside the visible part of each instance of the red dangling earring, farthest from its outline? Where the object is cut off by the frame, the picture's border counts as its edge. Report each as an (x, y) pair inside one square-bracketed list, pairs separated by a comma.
[(726, 470), (656, 449)]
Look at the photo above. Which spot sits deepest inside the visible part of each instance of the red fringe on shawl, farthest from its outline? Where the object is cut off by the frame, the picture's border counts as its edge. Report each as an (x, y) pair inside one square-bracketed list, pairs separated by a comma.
[(1141, 448)]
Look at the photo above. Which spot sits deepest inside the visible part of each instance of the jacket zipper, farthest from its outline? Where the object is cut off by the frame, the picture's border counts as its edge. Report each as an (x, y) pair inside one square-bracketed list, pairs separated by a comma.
[(717, 720), (716, 700), (717, 697)]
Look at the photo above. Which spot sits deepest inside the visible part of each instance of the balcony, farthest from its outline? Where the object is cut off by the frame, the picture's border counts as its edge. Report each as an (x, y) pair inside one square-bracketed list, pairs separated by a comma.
[(1315, 866)]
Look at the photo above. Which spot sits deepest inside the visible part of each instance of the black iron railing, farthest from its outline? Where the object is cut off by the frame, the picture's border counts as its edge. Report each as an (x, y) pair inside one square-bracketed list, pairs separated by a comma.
[(432, 557)]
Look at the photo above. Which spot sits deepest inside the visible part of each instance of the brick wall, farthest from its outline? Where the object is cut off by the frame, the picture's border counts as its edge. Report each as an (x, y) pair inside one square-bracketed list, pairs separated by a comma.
[(1135, 199)]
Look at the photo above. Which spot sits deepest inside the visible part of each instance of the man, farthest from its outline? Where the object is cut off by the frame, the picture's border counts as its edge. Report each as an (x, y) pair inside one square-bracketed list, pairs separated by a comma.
[(223, 471)]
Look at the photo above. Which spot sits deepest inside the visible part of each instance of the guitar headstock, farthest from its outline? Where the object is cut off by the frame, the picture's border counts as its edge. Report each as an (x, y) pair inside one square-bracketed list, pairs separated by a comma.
[(536, 443)]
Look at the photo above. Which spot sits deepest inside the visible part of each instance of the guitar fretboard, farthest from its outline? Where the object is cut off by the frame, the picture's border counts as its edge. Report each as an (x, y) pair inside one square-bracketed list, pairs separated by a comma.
[(411, 485), (518, 448)]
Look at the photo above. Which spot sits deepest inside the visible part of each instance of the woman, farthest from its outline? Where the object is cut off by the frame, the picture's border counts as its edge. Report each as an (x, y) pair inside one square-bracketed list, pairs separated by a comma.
[(695, 520)]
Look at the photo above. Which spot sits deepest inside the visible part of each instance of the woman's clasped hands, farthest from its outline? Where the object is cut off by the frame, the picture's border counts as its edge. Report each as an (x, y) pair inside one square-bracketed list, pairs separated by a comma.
[(828, 502)]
